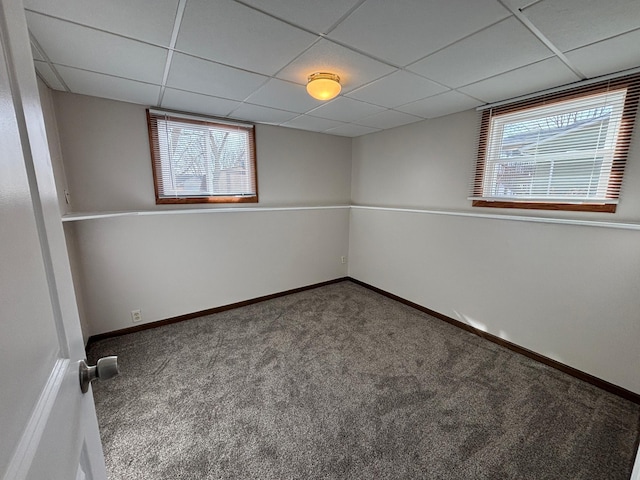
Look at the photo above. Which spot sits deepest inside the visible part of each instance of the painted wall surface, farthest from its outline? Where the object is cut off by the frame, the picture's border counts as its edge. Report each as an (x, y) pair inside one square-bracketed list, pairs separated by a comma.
[(568, 292), (170, 265), (105, 146), (174, 263), (57, 164)]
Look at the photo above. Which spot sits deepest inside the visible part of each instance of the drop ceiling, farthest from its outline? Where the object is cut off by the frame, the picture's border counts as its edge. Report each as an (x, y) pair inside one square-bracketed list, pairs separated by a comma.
[(399, 61)]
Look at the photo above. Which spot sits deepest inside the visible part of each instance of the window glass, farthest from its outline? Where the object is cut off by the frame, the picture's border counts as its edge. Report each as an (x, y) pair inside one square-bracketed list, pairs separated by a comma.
[(202, 161), (564, 152)]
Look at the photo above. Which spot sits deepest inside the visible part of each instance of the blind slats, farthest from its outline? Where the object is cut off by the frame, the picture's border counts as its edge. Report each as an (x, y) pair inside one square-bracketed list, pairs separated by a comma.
[(568, 146), (197, 159)]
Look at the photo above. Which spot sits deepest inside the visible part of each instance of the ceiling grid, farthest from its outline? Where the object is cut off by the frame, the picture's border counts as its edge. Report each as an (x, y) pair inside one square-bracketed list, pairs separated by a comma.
[(399, 62)]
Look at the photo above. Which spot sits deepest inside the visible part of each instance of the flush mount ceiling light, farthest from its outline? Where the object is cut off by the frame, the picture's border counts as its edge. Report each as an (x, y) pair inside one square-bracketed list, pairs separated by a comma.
[(323, 86)]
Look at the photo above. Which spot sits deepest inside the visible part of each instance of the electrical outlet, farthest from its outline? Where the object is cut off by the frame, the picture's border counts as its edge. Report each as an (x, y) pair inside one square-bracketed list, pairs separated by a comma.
[(136, 316), (343, 259)]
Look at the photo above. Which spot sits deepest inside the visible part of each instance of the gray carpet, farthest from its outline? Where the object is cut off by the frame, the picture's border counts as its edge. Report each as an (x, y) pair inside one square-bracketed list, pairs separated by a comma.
[(339, 382)]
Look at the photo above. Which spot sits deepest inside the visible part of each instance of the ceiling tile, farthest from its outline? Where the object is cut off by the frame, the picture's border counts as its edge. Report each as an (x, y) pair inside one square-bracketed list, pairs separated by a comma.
[(497, 49), (613, 55), (81, 47), (532, 78), (46, 72), (196, 103), (351, 130), (397, 89), (310, 14), (346, 109), (315, 124), (284, 95), (388, 119), (439, 105), (354, 69), (36, 53), (571, 24), (136, 19), (234, 34), (98, 85), (520, 4), (256, 113), (474, 47), (403, 31), (200, 76)]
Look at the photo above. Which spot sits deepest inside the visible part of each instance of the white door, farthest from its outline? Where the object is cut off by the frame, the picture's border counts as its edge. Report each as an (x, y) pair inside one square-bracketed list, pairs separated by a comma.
[(48, 428)]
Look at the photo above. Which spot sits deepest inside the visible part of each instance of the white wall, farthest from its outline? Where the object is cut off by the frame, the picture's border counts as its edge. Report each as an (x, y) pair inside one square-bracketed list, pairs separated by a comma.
[(57, 164), (568, 292), (170, 265), (173, 263), (565, 291), (105, 146)]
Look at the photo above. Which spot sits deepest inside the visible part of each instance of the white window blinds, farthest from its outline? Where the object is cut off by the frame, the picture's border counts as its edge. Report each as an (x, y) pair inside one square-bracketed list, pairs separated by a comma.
[(201, 160), (561, 149)]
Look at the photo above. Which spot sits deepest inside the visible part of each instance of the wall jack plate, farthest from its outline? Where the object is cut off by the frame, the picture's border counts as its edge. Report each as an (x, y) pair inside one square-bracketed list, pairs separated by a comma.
[(136, 315)]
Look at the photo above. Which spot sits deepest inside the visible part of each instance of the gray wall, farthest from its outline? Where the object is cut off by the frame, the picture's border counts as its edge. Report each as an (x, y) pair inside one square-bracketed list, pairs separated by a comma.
[(105, 148), (169, 263), (568, 292)]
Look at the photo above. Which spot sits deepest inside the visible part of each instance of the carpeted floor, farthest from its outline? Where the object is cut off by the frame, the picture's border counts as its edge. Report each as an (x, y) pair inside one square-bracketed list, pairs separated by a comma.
[(339, 382)]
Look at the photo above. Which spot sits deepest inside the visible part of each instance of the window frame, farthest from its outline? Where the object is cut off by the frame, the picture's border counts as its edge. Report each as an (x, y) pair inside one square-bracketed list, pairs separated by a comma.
[(153, 115), (630, 83)]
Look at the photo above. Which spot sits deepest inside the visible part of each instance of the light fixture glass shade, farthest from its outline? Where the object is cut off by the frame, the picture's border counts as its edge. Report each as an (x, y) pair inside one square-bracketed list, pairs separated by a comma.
[(323, 86)]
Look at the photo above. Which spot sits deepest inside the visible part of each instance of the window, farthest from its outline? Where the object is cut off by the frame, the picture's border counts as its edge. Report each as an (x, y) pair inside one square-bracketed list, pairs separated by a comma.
[(201, 160), (561, 151)]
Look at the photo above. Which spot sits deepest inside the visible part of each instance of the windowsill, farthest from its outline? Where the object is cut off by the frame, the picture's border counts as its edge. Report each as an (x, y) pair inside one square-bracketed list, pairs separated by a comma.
[(79, 216), (568, 207), (76, 217)]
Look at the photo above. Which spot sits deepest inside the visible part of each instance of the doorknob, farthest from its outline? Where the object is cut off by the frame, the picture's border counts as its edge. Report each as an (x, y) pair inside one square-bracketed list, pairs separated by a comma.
[(104, 369)]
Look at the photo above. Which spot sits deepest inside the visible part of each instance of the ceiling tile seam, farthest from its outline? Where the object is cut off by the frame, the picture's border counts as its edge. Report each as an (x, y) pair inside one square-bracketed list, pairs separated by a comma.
[(533, 29), (385, 111), (146, 43), (318, 118), (195, 93), (333, 119), (291, 24), (497, 75), (172, 45), (275, 75), (372, 57), (469, 95), (309, 112), (275, 17), (44, 80), (398, 69), (198, 57), (102, 30), (403, 67), (105, 74), (366, 84), (362, 52), (320, 35), (633, 30), (530, 4), (560, 88), (44, 55), (244, 102), (461, 39), (344, 17)]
